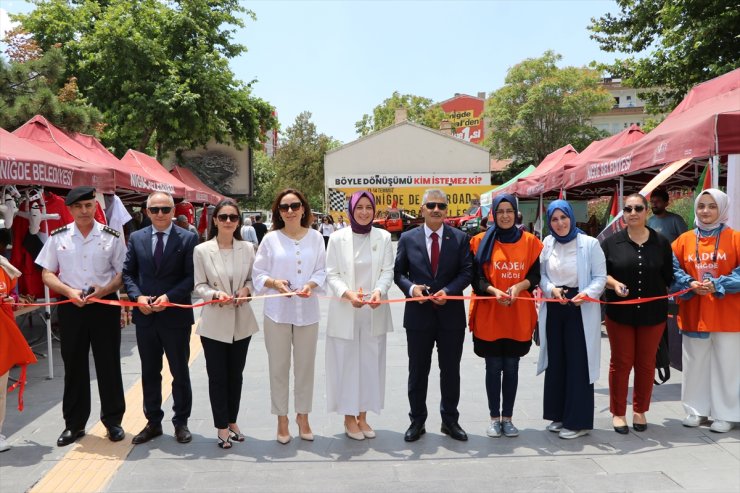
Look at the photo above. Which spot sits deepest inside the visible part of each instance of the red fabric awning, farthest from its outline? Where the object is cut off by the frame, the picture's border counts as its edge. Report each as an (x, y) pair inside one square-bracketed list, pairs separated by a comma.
[(548, 173), (204, 193), (23, 162), (146, 173)]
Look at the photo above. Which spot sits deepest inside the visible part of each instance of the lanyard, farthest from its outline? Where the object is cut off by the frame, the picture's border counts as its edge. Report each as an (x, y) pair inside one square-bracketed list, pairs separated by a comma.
[(716, 244)]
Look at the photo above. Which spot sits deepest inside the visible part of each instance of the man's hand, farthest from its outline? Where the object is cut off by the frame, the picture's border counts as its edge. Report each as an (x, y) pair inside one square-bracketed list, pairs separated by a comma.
[(97, 292), (419, 291), (75, 296), (157, 304), (439, 298), (145, 309)]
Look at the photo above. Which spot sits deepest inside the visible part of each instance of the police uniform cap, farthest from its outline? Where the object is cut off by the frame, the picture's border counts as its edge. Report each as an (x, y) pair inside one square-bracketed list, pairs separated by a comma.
[(79, 193)]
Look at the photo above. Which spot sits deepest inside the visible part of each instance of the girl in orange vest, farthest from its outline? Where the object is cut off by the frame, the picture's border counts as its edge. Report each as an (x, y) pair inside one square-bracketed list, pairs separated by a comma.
[(507, 266), (706, 260)]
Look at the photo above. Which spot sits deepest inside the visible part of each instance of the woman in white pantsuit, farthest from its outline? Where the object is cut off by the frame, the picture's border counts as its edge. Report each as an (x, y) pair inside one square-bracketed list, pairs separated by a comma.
[(359, 270)]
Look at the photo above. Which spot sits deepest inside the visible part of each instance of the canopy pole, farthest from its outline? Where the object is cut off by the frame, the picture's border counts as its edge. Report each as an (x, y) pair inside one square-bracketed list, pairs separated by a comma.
[(733, 189), (620, 192), (715, 171)]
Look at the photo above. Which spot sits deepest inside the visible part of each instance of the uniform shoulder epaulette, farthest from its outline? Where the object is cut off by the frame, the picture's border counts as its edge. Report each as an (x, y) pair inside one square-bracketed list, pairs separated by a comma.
[(112, 231), (59, 230)]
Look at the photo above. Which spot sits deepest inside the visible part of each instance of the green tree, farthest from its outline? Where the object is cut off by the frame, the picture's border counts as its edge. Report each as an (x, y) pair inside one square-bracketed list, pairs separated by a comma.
[(299, 161), (690, 41), (37, 86), (419, 109), (158, 70), (542, 107)]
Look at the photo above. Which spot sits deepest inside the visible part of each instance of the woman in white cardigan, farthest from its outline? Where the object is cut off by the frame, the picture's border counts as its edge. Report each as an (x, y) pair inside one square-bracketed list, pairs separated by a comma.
[(223, 271), (359, 270), (572, 266)]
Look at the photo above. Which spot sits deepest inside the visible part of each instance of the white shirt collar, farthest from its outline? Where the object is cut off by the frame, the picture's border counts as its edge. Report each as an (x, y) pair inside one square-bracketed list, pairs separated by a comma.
[(166, 231), (428, 231)]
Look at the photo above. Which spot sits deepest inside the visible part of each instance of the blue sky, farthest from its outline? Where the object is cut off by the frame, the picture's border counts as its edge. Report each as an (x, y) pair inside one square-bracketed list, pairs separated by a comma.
[(339, 59)]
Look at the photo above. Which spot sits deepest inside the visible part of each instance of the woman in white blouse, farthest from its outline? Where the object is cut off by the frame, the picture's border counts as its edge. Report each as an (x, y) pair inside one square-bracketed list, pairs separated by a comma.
[(572, 267), (359, 269), (223, 271), (291, 259)]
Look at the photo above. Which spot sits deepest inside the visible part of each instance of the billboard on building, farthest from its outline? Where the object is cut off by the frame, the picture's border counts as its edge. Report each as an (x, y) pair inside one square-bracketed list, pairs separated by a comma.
[(465, 113)]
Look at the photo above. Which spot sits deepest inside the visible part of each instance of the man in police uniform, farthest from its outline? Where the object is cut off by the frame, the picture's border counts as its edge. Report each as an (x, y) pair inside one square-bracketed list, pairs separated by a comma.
[(83, 260)]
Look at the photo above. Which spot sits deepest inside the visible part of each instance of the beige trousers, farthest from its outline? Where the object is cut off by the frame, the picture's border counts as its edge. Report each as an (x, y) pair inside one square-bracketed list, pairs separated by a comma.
[(280, 341), (3, 395)]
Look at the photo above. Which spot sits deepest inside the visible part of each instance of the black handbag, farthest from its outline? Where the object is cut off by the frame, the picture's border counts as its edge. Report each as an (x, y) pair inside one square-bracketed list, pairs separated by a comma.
[(663, 359)]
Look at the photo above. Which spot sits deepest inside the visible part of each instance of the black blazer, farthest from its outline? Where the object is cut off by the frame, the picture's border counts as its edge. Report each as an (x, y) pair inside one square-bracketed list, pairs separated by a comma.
[(454, 273), (173, 278)]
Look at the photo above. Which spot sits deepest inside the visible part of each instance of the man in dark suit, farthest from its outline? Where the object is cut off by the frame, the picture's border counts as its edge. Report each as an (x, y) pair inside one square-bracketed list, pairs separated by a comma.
[(434, 260), (259, 227), (159, 269)]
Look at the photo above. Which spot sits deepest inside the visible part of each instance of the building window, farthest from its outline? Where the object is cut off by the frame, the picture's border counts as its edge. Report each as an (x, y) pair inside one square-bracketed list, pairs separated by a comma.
[(616, 102)]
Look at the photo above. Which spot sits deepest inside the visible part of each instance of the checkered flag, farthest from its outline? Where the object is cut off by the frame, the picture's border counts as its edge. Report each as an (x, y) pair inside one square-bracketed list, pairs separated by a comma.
[(337, 200)]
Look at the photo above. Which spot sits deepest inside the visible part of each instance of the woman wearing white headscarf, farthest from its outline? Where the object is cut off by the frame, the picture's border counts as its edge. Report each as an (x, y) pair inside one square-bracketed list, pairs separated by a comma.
[(706, 260)]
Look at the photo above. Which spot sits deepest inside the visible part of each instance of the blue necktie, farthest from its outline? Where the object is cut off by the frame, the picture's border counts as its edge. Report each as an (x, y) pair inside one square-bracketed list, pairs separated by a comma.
[(159, 249)]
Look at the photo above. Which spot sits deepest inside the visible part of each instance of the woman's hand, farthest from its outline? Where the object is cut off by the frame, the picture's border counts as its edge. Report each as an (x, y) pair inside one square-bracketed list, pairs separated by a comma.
[(374, 300), (557, 293), (222, 298), (579, 299), (242, 293), (703, 288), (514, 291), (281, 285), (305, 291), (501, 297), (621, 289), (354, 298)]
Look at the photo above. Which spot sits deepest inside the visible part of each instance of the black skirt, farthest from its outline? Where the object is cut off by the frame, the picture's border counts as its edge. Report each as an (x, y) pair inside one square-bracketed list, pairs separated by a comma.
[(501, 348)]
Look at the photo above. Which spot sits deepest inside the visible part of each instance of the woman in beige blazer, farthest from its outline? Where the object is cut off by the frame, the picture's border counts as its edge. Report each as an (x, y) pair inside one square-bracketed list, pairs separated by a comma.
[(359, 270), (223, 271)]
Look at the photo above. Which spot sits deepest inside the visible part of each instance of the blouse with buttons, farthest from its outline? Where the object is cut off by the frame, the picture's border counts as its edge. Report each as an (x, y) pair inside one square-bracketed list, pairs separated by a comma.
[(646, 269), (298, 261)]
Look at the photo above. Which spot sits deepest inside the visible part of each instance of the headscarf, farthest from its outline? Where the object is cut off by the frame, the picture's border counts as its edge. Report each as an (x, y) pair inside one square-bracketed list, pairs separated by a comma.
[(495, 232), (566, 208), (356, 227), (723, 205)]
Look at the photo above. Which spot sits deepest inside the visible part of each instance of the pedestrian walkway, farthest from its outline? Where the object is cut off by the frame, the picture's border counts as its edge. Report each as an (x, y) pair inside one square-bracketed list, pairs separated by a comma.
[(667, 457)]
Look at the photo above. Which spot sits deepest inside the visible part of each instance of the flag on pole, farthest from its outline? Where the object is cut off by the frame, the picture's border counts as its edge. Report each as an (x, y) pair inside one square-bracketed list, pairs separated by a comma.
[(561, 195), (705, 181), (613, 207)]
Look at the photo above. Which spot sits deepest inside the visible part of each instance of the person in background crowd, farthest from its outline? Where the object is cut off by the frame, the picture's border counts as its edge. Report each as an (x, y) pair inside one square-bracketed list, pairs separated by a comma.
[(639, 264), (259, 227), (483, 224), (84, 260), (14, 349), (506, 266), (159, 270), (223, 271), (434, 261), (340, 224), (707, 260), (291, 259), (667, 223), (359, 270), (326, 229), (182, 221), (249, 234), (572, 267), (5, 240)]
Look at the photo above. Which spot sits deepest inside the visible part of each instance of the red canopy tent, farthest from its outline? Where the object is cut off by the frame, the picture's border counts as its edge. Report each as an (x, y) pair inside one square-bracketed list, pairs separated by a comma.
[(147, 173), (204, 193), (23, 163), (547, 174)]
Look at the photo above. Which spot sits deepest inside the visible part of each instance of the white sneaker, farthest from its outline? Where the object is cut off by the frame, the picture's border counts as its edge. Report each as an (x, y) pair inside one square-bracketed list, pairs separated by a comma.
[(4, 445), (494, 429), (568, 434), (720, 426), (692, 420), (555, 426)]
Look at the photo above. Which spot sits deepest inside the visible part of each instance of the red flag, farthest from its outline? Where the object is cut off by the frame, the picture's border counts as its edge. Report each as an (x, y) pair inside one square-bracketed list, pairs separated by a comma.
[(394, 204)]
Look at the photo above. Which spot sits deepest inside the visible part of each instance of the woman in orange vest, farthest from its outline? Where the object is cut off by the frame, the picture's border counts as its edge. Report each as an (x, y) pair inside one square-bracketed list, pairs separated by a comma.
[(706, 260), (14, 349), (507, 266)]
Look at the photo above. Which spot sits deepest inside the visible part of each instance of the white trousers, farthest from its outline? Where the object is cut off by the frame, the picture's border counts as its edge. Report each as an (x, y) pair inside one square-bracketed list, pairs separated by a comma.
[(3, 395), (280, 341), (355, 373), (711, 376)]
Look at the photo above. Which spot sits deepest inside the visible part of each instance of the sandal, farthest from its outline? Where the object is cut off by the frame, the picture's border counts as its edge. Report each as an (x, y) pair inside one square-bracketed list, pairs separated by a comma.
[(236, 436), (224, 444)]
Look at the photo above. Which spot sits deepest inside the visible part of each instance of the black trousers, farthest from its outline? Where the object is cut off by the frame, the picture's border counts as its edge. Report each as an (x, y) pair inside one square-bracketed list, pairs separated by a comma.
[(98, 327), (568, 396), (225, 367), (174, 342), (420, 345)]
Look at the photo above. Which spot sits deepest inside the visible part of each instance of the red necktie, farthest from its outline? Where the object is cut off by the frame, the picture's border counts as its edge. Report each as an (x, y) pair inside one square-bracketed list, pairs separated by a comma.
[(435, 253)]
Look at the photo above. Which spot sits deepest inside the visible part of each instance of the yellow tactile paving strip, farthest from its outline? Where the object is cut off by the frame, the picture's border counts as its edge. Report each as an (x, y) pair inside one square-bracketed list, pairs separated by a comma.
[(93, 460)]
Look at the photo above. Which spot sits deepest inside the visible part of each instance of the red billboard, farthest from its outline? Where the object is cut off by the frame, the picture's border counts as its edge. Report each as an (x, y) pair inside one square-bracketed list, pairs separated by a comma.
[(465, 113)]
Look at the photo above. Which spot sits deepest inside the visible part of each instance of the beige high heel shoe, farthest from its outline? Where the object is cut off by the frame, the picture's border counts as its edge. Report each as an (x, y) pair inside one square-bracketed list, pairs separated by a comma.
[(308, 436), (283, 439)]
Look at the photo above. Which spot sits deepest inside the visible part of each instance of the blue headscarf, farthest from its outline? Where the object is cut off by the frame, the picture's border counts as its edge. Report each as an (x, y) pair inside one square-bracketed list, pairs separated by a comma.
[(565, 207), (510, 235)]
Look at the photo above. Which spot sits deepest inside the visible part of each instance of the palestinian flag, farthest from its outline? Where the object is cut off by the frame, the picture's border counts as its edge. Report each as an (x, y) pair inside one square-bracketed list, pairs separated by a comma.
[(705, 181)]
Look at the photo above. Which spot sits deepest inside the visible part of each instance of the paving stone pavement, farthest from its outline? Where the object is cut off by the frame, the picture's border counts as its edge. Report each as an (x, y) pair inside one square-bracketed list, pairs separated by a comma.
[(667, 457)]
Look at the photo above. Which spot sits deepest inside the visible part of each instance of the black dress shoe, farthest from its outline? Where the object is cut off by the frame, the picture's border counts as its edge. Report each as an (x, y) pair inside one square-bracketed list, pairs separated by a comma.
[(455, 431), (415, 431), (116, 433), (182, 434), (639, 426), (150, 431), (69, 436), (622, 430)]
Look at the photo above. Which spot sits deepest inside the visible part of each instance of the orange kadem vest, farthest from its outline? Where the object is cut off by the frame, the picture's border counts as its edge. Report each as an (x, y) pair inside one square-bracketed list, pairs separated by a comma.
[(14, 349), (509, 265), (708, 313)]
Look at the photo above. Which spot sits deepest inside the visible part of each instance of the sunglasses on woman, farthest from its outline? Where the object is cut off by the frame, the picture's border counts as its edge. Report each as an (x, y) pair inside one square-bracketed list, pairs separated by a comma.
[(638, 208), (294, 206), (234, 218)]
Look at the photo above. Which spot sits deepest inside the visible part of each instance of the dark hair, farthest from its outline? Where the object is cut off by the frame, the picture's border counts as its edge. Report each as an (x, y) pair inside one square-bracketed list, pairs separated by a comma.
[(484, 221), (277, 220), (213, 231), (661, 194), (5, 237), (637, 196)]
